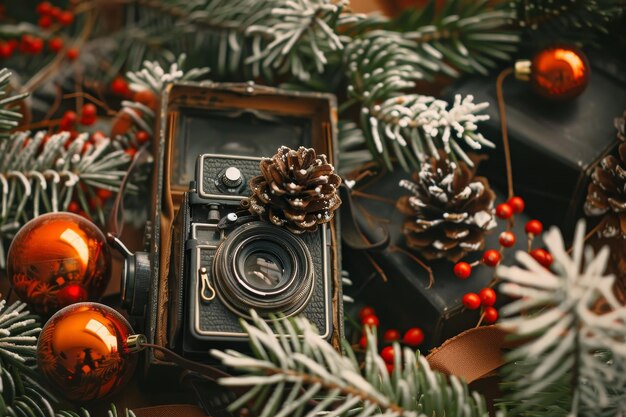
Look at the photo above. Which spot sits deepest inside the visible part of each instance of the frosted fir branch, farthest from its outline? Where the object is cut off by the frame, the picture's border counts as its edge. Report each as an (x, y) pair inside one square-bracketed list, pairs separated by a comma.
[(154, 78), (295, 372), (577, 20), (303, 32), (39, 175), (570, 344), (414, 126), (9, 119)]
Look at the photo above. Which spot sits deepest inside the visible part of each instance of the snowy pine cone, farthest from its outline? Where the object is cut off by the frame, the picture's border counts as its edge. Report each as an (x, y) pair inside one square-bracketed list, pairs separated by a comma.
[(296, 189), (606, 195), (449, 212)]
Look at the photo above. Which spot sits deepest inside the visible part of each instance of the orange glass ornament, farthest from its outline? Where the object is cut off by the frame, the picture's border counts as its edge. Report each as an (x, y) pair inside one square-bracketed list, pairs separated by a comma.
[(58, 259), (82, 350), (557, 73)]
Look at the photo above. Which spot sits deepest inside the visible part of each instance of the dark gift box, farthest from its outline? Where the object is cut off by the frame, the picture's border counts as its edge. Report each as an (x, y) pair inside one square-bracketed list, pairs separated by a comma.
[(406, 300), (233, 119), (554, 145)]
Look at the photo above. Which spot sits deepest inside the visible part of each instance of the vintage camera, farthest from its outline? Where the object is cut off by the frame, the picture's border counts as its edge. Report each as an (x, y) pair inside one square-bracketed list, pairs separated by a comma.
[(207, 260), (227, 262)]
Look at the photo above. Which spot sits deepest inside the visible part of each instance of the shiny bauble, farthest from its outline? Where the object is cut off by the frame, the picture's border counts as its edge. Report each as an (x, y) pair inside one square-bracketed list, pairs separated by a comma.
[(58, 259), (82, 351), (559, 73)]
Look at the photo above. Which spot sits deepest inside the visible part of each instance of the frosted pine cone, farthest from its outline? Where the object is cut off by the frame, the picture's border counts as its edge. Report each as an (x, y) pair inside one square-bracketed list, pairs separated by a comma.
[(606, 195), (449, 212), (296, 189)]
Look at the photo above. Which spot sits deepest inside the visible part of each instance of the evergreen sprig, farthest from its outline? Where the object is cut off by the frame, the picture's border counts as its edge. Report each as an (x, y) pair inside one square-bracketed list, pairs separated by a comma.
[(9, 119), (412, 127), (295, 372), (566, 20), (252, 38), (39, 175), (572, 359), (461, 36)]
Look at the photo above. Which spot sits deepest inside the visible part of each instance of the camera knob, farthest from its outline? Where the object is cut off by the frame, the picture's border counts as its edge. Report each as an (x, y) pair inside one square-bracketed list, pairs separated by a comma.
[(232, 177)]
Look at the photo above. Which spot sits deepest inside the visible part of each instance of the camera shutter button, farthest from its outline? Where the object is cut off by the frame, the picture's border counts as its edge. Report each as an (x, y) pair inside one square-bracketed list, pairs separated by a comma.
[(232, 177)]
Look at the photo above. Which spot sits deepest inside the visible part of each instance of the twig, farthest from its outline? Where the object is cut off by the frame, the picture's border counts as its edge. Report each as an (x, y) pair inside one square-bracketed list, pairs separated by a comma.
[(503, 127), (431, 277)]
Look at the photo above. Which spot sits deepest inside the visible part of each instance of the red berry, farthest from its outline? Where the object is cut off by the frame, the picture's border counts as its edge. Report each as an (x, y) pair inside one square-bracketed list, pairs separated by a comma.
[(103, 193), (487, 296), (534, 227), (491, 315), (69, 120), (119, 86), (73, 207), (55, 12), (89, 109), (5, 50), (543, 257), (44, 8), (517, 204), (36, 46), (413, 337), (97, 136), (55, 44), (370, 321), (387, 354), (131, 152), (142, 136), (462, 270), (391, 335), (507, 239), (491, 257), (363, 342), (389, 367), (66, 18), (146, 97), (504, 211), (366, 311), (471, 301), (44, 22), (72, 54)]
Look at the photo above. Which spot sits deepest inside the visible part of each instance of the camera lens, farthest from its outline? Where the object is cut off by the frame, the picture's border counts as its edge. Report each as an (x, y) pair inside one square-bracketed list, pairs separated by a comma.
[(263, 267)]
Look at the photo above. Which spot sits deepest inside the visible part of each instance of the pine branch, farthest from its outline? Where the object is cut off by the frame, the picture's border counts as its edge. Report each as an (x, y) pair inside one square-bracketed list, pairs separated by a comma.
[(468, 37), (412, 127), (39, 175), (566, 20), (253, 38), (573, 360), (294, 371), (9, 119)]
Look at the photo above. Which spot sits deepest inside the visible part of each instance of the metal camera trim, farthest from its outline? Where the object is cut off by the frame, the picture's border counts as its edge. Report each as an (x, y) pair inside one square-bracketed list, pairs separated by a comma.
[(200, 175), (195, 284)]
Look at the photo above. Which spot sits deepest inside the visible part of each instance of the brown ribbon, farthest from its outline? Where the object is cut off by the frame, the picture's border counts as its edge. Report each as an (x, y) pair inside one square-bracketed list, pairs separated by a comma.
[(472, 355)]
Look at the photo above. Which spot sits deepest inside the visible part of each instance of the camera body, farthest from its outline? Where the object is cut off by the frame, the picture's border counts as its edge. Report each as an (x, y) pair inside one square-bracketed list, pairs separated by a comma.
[(231, 125), (226, 261)]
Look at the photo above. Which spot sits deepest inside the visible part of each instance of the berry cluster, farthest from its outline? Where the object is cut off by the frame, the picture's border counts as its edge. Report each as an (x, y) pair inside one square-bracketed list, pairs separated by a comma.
[(492, 257), (412, 337), (51, 20), (487, 298)]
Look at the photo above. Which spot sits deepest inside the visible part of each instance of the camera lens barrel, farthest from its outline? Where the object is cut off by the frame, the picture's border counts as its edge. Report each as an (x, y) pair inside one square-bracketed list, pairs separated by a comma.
[(136, 283), (263, 267)]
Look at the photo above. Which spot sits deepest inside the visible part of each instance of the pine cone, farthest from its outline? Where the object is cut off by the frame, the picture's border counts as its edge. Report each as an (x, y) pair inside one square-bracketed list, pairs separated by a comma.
[(449, 212), (606, 195), (296, 189)]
